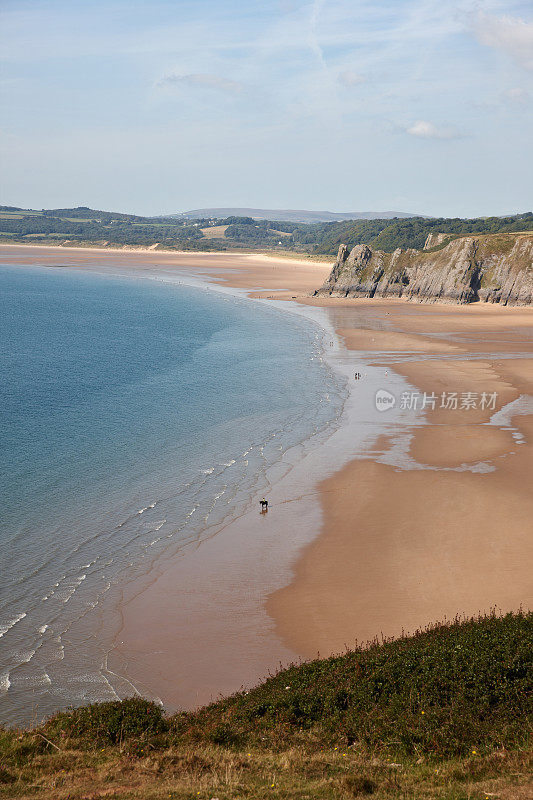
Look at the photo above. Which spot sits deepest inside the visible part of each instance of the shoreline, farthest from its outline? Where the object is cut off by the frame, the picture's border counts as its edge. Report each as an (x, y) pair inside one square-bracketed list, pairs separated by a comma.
[(251, 550), (382, 573), (286, 257), (439, 525)]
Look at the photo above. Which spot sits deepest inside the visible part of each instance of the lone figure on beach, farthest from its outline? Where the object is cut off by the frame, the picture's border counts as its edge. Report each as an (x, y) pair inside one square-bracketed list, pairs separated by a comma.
[(264, 505)]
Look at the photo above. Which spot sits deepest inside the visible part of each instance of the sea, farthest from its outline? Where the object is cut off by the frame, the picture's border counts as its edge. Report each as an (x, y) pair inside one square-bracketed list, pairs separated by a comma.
[(136, 417)]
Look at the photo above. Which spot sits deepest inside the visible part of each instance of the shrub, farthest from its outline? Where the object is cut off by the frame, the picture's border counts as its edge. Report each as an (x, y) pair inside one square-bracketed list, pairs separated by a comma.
[(111, 722), (445, 691)]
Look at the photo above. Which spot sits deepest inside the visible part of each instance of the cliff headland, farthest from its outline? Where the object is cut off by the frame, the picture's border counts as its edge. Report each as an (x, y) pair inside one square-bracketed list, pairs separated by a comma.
[(496, 268)]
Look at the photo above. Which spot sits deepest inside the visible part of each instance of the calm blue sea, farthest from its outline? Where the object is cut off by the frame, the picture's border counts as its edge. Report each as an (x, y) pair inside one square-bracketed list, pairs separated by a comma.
[(136, 416)]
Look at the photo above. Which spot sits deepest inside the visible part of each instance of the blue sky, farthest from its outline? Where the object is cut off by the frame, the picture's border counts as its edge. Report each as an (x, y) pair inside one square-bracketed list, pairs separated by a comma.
[(346, 105)]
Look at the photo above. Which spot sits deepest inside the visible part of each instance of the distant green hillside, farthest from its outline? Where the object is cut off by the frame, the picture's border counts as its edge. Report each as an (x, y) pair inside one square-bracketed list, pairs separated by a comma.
[(105, 228), (388, 235), (446, 713)]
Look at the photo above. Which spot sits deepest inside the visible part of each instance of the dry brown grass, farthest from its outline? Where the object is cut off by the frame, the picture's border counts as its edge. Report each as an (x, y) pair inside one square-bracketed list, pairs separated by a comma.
[(295, 774), (214, 231)]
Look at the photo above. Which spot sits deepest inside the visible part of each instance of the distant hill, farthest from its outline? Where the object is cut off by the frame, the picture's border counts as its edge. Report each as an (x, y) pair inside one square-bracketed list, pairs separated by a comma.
[(83, 225), (289, 214)]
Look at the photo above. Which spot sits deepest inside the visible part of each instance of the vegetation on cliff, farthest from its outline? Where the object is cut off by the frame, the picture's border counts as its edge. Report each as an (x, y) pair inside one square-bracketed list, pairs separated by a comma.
[(388, 235), (445, 713), (88, 226)]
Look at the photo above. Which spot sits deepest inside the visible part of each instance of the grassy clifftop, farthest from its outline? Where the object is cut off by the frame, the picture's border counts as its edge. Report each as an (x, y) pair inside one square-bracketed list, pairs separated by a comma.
[(445, 713)]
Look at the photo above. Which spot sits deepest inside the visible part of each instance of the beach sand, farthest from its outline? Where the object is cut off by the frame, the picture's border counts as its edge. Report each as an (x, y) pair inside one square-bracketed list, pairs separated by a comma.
[(432, 521), (450, 533)]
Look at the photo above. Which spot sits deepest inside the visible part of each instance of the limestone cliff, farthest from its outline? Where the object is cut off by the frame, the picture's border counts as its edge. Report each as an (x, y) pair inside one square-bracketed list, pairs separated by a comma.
[(496, 268)]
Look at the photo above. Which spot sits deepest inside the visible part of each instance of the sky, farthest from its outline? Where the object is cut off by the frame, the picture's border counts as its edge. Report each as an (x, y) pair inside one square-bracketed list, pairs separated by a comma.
[(345, 105)]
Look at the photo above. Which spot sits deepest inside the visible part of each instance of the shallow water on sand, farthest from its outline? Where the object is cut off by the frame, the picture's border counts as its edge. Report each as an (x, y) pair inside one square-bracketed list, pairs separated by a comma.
[(136, 417)]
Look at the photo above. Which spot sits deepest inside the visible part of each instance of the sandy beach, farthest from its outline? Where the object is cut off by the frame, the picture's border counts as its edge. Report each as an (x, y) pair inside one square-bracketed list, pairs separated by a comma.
[(450, 532), (430, 520)]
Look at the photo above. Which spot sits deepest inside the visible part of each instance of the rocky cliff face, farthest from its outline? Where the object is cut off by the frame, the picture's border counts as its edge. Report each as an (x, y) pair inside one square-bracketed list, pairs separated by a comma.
[(496, 268)]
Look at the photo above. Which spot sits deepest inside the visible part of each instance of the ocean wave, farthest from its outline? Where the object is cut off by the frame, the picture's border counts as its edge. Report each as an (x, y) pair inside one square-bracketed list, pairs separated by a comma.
[(207, 471), (66, 591), (61, 654), (52, 593), (6, 626), (23, 656), (32, 681), (142, 510), (42, 629), (5, 683)]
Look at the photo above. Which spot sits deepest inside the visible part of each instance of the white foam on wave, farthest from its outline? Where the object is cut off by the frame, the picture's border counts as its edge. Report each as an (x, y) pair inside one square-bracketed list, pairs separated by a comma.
[(207, 471), (142, 510), (42, 629), (228, 463), (61, 654), (72, 587), (48, 596), (23, 656), (33, 681), (5, 683), (6, 626)]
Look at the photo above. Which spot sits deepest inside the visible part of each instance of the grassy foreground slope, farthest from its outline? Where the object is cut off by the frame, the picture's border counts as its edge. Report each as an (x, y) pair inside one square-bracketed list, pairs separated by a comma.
[(445, 713)]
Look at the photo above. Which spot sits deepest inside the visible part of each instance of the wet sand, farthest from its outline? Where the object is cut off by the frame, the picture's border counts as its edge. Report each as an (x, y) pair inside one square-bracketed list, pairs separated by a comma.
[(433, 519), (446, 528), (238, 270)]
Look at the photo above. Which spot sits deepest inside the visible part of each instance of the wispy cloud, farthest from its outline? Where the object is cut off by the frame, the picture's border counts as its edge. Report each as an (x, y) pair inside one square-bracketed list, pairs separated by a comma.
[(517, 95), (427, 130), (313, 30), (400, 77), (349, 78), (511, 35), (203, 80)]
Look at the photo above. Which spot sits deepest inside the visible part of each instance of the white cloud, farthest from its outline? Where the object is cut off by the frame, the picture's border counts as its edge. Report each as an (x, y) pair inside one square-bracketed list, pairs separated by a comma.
[(350, 78), (511, 35), (203, 80), (427, 130), (517, 95), (314, 43)]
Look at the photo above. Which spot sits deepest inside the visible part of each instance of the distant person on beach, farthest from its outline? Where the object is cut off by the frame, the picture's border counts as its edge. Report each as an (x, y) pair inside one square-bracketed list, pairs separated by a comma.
[(264, 505)]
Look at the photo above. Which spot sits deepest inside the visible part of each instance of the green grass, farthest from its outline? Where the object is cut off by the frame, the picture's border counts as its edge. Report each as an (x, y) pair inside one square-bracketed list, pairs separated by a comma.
[(445, 713)]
